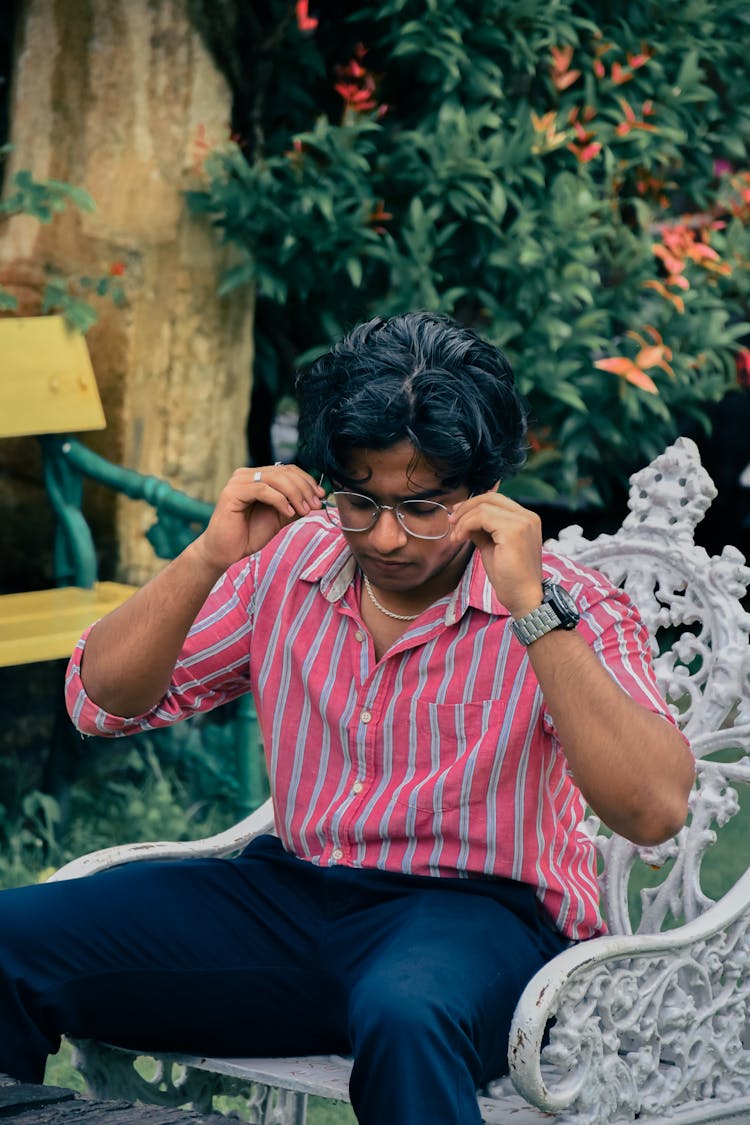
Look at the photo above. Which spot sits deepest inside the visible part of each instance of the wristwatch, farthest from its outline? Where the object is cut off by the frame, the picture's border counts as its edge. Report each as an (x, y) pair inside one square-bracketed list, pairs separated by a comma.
[(557, 611)]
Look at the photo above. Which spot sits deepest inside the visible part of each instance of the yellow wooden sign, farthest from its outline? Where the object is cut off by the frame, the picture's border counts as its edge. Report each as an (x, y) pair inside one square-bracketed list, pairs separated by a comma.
[(47, 383)]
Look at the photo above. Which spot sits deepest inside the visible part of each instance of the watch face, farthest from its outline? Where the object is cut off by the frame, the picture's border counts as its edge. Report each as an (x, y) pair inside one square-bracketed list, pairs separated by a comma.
[(563, 605)]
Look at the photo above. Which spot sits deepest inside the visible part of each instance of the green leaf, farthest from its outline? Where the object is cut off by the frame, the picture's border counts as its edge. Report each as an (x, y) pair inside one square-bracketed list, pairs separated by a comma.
[(77, 195), (237, 276), (353, 267), (567, 393), (528, 489)]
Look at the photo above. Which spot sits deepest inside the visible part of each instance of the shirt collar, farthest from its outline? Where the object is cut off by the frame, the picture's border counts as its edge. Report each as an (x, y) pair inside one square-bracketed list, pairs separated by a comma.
[(474, 591), (334, 567)]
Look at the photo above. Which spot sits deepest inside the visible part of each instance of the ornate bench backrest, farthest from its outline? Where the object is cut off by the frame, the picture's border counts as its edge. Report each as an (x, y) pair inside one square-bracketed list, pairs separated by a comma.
[(690, 603)]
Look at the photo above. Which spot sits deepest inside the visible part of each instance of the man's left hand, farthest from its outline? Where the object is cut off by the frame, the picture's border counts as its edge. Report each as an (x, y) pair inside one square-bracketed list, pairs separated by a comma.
[(509, 539)]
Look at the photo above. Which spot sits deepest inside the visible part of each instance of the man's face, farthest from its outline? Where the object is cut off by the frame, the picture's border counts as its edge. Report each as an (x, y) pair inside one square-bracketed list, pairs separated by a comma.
[(392, 559)]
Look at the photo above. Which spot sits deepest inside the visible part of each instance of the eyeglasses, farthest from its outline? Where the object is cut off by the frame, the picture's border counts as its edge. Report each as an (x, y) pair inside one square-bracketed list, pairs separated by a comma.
[(424, 519)]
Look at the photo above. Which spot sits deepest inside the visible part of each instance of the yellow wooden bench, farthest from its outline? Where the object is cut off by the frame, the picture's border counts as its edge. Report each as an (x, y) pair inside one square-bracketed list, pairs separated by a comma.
[(48, 390), (45, 624)]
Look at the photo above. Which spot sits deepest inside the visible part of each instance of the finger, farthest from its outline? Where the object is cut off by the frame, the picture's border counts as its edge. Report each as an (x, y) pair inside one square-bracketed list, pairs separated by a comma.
[(499, 523), (303, 491), (305, 487), (495, 499), (270, 496), (296, 470), (297, 487)]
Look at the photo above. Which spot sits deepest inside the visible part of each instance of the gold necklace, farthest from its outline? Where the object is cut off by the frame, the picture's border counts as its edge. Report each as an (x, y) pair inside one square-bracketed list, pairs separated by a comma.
[(387, 612)]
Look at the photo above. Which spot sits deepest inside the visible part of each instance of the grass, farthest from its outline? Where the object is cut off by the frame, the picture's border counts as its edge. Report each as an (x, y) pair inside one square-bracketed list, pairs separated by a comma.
[(723, 863), (321, 1112)]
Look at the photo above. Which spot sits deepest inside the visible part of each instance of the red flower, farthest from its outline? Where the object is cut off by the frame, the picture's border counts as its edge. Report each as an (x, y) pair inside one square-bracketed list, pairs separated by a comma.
[(652, 187), (356, 84), (631, 121), (588, 147), (379, 215), (637, 61), (652, 353), (562, 75), (305, 22), (620, 74), (117, 269), (680, 245), (360, 99), (742, 360), (662, 290)]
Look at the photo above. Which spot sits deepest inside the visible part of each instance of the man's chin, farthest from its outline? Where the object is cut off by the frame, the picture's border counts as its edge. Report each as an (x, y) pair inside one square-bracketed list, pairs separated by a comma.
[(407, 577), (390, 575)]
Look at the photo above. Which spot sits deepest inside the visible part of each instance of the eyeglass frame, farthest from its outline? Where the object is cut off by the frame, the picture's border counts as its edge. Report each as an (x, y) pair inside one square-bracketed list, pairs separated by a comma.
[(379, 508)]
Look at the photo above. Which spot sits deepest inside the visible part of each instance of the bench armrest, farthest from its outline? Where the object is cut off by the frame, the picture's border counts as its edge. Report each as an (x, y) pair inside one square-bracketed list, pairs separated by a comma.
[(223, 843), (179, 517), (642, 1023)]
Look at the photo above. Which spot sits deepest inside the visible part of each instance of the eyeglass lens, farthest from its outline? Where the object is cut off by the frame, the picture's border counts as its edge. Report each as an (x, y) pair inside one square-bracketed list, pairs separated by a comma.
[(425, 519)]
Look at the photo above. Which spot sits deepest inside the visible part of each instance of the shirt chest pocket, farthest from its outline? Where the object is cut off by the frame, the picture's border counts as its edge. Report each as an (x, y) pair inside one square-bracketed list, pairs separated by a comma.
[(450, 756)]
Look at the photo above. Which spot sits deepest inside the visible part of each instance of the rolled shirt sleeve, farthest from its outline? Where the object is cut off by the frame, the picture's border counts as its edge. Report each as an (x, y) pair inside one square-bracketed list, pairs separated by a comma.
[(212, 668)]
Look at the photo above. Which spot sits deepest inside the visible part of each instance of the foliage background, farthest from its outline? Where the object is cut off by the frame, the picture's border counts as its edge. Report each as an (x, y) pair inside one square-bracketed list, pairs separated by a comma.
[(571, 179)]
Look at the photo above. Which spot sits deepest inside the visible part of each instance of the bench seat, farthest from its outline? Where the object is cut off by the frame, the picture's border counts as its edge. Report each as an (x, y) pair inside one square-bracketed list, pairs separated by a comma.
[(45, 624), (327, 1076)]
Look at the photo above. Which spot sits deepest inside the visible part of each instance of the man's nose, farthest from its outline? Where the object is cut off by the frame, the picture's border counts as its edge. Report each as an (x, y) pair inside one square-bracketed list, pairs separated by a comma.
[(388, 534)]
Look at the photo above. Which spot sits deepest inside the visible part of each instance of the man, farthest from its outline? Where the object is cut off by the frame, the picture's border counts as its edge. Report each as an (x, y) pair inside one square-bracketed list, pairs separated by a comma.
[(429, 684)]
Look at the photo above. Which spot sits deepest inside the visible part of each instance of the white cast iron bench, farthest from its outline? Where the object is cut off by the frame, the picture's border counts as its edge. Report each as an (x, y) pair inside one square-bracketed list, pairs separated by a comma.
[(651, 1023)]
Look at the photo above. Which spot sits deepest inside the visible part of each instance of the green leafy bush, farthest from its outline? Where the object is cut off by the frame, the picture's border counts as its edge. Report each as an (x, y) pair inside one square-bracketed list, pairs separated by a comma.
[(43, 200), (569, 178), (176, 784)]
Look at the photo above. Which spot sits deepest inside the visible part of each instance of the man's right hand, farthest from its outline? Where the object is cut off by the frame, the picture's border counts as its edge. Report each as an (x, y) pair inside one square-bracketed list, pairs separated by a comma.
[(254, 505)]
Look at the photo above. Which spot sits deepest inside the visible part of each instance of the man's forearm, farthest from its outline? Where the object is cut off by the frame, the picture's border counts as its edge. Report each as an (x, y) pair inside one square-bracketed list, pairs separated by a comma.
[(631, 765), (130, 654)]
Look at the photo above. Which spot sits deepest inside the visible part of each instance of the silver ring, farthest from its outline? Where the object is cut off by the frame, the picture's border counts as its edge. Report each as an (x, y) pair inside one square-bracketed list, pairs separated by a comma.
[(277, 463), (258, 475)]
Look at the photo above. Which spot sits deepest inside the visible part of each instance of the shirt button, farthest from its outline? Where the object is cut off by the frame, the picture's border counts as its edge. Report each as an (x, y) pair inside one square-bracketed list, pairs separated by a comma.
[(359, 635), (337, 854), (366, 716), (357, 787)]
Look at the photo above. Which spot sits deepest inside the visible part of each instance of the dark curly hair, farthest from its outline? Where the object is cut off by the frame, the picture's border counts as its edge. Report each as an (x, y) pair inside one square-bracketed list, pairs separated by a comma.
[(420, 378)]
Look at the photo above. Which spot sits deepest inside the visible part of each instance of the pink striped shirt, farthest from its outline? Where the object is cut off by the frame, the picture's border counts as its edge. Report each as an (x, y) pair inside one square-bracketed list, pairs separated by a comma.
[(439, 759)]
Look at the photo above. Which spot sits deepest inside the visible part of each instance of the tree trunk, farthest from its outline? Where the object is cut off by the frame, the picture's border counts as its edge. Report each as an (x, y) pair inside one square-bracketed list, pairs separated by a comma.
[(120, 97)]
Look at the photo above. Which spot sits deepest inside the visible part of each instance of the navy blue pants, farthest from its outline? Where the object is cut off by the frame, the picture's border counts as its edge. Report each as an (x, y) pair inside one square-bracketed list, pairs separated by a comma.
[(265, 954)]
